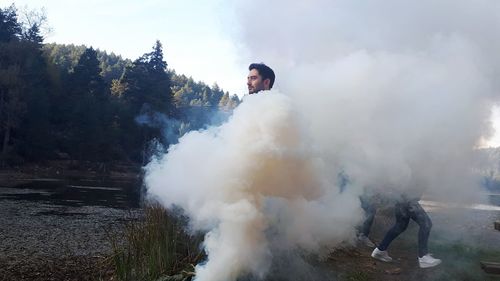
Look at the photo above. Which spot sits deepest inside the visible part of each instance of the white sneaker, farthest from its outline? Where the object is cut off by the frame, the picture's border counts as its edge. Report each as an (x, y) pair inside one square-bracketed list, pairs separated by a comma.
[(428, 261), (381, 255), (366, 241)]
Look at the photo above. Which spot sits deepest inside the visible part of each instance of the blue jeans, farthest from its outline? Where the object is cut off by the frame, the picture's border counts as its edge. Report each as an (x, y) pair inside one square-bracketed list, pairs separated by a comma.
[(404, 212), (370, 210)]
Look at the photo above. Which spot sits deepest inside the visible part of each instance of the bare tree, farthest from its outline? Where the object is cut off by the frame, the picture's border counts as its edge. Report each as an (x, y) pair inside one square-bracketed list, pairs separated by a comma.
[(30, 19)]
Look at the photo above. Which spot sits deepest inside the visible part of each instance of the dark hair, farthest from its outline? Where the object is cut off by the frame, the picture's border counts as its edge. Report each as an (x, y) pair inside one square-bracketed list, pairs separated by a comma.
[(265, 71)]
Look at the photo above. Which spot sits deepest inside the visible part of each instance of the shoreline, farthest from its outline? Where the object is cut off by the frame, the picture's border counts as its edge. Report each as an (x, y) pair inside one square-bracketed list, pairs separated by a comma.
[(48, 235), (70, 170)]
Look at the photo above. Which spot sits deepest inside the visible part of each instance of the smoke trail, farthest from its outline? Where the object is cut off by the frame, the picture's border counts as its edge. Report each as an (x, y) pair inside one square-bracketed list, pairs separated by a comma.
[(171, 128), (255, 179)]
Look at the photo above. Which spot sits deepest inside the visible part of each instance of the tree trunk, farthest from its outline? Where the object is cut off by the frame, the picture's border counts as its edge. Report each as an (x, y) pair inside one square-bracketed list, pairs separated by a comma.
[(6, 138), (3, 125)]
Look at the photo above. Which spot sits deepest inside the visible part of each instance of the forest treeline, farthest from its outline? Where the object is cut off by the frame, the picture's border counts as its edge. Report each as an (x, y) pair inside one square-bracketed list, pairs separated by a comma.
[(75, 102)]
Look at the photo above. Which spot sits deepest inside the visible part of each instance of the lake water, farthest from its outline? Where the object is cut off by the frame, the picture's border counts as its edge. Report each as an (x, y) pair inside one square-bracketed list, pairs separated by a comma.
[(76, 193)]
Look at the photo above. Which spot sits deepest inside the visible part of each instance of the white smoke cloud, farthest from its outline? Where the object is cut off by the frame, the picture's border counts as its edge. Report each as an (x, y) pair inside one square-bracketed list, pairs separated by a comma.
[(255, 175), (399, 93), (395, 94)]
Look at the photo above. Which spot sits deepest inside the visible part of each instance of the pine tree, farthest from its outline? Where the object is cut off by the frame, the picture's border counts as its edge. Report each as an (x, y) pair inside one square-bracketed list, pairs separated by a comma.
[(24, 102), (89, 110), (144, 91), (10, 29)]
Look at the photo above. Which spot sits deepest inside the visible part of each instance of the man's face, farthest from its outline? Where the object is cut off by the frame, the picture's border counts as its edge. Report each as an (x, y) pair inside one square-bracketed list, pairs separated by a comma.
[(255, 82)]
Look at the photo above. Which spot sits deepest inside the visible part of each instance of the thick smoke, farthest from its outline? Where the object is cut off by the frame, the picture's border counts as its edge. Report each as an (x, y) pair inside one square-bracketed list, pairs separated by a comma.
[(396, 95), (254, 181)]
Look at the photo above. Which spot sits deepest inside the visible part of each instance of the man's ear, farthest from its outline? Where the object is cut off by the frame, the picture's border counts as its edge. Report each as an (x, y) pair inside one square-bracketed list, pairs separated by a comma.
[(267, 83)]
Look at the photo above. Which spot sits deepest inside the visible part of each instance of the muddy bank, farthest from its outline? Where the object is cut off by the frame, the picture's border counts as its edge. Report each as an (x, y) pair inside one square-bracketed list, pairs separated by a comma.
[(80, 268), (55, 225), (40, 241), (56, 229)]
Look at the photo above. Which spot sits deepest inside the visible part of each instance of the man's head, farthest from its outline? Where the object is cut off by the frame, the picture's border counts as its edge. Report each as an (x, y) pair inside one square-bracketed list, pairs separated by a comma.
[(261, 77)]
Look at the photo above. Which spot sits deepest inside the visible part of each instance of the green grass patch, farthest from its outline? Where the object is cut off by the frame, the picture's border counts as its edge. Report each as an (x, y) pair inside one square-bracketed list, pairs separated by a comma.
[(154, 246)]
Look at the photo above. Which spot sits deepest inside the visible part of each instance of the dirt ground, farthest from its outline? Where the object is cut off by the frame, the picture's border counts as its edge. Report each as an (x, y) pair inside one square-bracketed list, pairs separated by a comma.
[(54, 269), (53, 228), (43, 241), (461, 240), (46, 242), (75, 247)]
